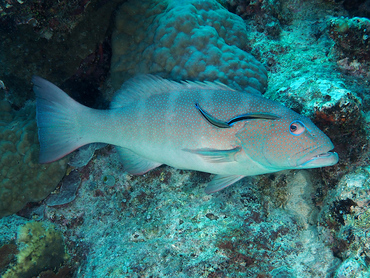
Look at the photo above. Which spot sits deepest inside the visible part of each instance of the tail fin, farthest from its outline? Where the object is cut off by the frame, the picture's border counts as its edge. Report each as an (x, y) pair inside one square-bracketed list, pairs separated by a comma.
[(58, 121)]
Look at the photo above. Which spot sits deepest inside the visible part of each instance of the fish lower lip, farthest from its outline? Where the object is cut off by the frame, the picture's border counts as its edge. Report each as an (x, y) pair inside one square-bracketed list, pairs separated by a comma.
[(323, 155), (321, 160)]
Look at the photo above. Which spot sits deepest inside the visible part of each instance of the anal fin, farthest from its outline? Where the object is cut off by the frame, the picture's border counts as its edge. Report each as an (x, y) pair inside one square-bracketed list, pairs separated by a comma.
[(136, 164), (219, 182)]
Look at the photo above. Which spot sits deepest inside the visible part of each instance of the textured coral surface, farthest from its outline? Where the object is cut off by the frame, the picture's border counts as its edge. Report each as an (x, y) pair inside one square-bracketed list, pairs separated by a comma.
[(22, 178), (188, 40)]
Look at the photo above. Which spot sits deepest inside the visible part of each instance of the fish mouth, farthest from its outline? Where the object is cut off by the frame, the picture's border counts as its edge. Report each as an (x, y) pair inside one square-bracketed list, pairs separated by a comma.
[(318, 160)]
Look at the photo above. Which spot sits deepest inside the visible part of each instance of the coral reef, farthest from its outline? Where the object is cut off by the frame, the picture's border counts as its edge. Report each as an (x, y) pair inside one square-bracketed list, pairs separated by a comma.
[(308, 223), (352, 47), (22, 178), (40, 247), (190, 40), (162, 223), (351, 36), (267, 15), (345, 217), (55, 40)]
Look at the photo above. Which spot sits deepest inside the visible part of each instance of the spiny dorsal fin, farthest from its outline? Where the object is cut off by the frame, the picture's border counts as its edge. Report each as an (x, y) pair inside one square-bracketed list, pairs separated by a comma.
[(143, 86)]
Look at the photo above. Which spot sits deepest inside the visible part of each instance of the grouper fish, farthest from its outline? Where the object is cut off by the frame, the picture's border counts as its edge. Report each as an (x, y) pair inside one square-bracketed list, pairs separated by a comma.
[(202, 126)]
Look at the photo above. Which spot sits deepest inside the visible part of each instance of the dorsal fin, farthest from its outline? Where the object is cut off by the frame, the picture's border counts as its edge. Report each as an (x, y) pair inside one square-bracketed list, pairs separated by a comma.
[(143, 86)]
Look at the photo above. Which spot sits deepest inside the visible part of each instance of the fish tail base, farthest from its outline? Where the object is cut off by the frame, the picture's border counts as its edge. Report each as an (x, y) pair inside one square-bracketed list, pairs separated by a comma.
[(57, 117)]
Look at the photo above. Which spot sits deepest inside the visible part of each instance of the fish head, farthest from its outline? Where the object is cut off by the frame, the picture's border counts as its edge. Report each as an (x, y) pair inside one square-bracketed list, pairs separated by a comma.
[(292, 141)]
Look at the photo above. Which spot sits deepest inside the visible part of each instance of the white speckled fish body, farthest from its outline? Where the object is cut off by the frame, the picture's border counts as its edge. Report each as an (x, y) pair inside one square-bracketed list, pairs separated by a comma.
[(166, 127), (187, 125)]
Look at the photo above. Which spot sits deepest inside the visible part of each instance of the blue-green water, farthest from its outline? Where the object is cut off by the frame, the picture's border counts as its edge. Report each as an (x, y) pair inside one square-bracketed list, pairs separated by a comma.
[(100, 221)]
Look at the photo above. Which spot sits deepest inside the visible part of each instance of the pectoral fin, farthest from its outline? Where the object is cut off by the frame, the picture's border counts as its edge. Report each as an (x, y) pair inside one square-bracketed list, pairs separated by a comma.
[(216, 156), (135, 164), (220, 182)]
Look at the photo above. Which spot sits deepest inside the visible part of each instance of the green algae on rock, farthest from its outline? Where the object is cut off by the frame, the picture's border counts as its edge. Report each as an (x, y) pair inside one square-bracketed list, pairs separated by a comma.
[(41, 247)]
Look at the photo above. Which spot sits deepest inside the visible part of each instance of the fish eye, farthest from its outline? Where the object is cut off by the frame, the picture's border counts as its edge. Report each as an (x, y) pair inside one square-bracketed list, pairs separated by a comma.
[(297, 128)]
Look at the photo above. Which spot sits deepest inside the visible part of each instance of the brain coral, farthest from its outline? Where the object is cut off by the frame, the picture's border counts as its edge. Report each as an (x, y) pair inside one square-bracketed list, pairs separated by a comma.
[(22, 178), (194, 40)]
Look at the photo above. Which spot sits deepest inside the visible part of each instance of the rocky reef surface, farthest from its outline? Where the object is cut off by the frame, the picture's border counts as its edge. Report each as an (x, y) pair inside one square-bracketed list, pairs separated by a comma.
[(99, 221)]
